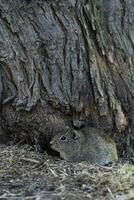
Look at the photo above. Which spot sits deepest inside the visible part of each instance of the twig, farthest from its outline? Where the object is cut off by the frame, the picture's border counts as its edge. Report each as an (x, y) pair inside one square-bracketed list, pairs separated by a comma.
[(30, 160)]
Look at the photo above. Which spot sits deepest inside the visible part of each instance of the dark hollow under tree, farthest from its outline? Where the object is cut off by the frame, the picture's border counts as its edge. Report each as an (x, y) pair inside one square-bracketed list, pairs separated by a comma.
[(67, 62)]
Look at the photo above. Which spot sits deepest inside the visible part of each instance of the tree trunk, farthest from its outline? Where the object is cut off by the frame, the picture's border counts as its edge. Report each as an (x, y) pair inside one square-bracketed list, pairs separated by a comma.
[(67, 63)]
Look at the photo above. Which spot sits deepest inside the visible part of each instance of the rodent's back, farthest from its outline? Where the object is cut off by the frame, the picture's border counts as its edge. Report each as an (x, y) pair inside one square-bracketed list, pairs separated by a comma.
[(99, 148)]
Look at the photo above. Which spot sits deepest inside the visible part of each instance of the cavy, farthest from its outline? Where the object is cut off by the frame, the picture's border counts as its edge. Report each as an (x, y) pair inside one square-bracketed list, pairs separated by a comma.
[(88, 144)]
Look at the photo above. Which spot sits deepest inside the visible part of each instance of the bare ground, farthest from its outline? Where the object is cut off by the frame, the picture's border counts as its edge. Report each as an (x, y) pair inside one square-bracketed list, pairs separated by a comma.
[(26, 174)]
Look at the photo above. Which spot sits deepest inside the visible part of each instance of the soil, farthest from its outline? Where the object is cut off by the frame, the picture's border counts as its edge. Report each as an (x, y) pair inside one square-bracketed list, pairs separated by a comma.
[(26, 174)]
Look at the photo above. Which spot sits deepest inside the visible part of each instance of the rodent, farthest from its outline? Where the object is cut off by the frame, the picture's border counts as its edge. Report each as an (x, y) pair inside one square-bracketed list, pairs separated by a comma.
[(88, 144)]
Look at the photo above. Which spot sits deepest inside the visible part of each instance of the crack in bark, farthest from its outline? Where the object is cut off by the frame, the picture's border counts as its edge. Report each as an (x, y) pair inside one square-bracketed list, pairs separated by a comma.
[(123, 3)]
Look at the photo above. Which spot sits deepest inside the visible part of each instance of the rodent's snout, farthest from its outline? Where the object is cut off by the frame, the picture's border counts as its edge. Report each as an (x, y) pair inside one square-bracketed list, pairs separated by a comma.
[(51, 142)]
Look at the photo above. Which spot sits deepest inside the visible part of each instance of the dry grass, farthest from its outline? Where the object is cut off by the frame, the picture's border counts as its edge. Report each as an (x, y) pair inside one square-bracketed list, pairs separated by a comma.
[(27, 174)]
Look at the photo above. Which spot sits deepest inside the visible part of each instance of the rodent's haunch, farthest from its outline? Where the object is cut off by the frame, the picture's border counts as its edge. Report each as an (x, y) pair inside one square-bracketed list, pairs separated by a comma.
[(88, 144)]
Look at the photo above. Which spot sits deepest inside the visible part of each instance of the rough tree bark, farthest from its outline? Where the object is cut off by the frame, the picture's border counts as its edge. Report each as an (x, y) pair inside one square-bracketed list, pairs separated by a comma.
[(67, 62)]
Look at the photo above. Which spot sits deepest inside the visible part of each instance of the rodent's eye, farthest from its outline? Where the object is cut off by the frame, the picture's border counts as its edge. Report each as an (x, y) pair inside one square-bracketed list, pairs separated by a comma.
[(63, 137)]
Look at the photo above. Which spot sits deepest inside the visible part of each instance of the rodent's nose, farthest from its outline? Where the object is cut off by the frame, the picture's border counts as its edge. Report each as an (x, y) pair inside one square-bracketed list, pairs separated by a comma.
[(51, 142)]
